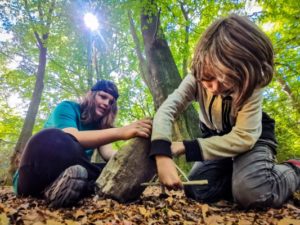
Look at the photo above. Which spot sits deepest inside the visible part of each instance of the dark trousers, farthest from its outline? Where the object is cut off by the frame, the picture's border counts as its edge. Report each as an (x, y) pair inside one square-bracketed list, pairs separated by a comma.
[(46, 155), (252, 179)]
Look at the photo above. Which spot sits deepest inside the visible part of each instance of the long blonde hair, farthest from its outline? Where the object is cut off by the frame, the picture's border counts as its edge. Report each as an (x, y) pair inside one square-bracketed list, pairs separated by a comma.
[(236, 52)]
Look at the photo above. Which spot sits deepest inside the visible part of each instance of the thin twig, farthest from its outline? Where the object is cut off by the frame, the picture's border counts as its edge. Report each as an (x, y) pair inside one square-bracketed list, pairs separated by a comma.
[(182, 173), (187, 183)]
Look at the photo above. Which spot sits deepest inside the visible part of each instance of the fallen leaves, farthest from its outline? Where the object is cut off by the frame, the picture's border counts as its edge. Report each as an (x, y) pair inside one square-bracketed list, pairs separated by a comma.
[(150, 209)]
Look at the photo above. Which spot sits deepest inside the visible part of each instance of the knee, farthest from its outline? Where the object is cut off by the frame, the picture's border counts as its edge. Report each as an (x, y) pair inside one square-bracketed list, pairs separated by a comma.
[(249, 194)]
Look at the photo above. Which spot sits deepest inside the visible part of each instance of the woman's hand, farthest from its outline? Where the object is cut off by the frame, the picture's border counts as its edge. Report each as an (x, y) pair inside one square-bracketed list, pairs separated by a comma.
[(140, 128), (167, 172)]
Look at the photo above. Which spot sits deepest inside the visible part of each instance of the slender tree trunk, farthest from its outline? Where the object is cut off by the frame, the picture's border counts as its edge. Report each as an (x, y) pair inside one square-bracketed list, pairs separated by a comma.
[(41, 41), (163, 76), (31, 114), (90, 59), (286, 88), (186, 40), (142, 62)]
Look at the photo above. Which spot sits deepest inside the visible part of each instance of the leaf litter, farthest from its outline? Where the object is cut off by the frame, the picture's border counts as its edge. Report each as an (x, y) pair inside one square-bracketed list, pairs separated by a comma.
[(152, 208)]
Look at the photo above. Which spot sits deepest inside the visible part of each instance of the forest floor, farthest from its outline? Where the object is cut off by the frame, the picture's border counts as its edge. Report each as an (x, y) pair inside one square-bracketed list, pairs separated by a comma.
[(151, 208)]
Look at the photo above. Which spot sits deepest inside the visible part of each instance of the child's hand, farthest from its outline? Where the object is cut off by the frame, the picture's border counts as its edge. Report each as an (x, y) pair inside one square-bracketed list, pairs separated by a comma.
[(167, 172), (177, 148)]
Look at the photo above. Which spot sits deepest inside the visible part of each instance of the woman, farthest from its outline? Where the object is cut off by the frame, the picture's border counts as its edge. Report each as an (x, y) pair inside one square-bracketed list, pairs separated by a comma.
[(56, 161)]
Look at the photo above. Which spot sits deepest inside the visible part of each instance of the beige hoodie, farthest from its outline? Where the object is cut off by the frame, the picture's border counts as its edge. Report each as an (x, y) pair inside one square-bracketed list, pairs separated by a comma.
[(246, 124)]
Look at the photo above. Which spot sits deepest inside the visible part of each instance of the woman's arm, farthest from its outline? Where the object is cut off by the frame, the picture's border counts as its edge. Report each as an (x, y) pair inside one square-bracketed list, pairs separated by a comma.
[(106, 151), (96, 138)]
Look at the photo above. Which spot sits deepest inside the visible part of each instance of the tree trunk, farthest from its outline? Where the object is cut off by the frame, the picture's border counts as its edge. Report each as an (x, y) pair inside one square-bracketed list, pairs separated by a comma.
[(41, 41), (27, 128), (142, 62), (286, 88), (163, 75), (89, 59), (186, 40)]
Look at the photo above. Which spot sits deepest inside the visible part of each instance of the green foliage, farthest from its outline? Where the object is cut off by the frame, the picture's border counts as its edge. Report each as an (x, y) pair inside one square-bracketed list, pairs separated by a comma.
[(281, 21)]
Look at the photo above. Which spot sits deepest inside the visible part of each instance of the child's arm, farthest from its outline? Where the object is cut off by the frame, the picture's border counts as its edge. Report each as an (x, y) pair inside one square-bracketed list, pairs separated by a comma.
[(167, 172), (162, 131)]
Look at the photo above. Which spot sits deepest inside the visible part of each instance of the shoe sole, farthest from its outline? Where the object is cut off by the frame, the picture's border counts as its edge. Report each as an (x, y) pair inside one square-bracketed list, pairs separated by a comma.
[(68, 187)]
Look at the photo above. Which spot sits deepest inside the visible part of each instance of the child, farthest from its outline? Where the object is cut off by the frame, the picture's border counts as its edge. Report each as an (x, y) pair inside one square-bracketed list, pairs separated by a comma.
[(56, 161), (232, 63)]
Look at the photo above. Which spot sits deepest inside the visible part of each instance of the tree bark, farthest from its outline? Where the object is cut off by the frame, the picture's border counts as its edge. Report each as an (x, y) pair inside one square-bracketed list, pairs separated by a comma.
[(286, 88), (89, 59), (27, 128), (163, 75), (31, 114)]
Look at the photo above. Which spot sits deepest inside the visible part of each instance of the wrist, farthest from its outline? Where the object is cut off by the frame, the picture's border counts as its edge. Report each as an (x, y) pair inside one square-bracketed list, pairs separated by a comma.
[(161, 160), (161, 148), (177, 148), (121, 133)]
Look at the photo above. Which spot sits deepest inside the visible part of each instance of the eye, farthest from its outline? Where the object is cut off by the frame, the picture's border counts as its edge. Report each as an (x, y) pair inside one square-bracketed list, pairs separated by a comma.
[(111, 102), (208, 79), (102, 96)]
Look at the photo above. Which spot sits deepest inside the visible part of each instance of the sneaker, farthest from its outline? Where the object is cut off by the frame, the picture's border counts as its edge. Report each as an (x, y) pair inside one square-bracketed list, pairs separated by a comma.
[(68, 188), (296, 164)]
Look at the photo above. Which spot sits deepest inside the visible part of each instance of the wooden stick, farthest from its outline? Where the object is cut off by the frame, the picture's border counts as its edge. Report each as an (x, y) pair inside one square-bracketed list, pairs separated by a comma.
[(186, 183)]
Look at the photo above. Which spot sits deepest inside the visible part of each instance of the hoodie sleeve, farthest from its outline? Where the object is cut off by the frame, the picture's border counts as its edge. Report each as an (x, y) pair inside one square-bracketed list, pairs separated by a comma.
[(166, 114)]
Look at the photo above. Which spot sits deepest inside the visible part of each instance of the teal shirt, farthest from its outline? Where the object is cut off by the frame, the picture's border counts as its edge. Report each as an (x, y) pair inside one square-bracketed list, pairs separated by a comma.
[(66, 114)]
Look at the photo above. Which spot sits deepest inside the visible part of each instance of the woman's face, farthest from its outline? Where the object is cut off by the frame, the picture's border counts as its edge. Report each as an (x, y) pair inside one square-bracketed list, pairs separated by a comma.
[(103, 102)]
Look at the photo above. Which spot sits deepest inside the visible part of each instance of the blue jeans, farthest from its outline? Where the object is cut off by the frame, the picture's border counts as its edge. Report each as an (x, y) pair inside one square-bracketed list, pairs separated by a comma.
[(251, 179)]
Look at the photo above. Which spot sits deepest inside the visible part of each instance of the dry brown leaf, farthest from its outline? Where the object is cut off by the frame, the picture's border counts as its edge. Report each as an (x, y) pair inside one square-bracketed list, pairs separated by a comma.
[(101, 216), (188, 223), (288, 221), (204, 209), (144, 212), (71, 222), (173, 214), (38, 223), (33, 217), (212, 220), (79, 214), (53, 222), (170, 200), (84, 220), (244, 222)]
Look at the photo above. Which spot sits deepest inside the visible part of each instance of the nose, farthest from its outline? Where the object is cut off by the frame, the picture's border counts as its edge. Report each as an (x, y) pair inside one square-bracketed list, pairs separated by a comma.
[(105, 102), (212, 86)]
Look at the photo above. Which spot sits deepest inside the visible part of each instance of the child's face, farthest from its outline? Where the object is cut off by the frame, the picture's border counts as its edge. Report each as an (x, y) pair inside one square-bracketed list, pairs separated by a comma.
[(216, 87), (215, 84)]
